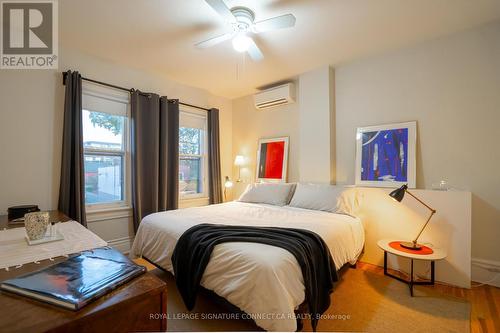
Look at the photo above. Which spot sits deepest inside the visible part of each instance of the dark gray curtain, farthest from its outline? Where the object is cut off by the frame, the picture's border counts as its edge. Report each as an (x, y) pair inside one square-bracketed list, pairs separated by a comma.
[(172, 161), (71, 188), (215, 182), (155, 154)]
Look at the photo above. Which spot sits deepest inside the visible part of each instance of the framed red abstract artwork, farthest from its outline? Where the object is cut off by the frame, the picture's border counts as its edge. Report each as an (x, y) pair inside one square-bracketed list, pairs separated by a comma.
[(272, 159)]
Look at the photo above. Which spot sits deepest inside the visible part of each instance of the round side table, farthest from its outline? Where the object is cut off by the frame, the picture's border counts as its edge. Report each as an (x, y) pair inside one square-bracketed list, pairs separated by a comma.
[(437, 254)]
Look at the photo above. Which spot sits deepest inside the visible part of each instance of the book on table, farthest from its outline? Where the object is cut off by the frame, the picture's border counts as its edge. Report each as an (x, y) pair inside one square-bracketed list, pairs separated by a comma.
[(78, 280)]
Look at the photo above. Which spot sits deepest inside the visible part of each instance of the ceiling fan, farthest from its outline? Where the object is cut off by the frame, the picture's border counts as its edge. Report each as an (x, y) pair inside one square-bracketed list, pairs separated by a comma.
[(243, 25)]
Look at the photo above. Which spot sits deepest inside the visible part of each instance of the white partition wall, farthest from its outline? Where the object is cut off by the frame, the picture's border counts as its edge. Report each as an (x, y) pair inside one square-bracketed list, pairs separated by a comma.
[(449, 229), (317, 126)]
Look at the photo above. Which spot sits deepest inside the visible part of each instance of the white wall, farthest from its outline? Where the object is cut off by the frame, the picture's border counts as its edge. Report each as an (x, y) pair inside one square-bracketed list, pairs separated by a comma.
[(451, 87), (317, 126), (449, 230), (250, 124), (28, 138), (31, 117), (308, 122)]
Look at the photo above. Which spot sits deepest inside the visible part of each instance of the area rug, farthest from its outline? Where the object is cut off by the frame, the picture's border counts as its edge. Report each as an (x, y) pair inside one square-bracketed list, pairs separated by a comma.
[(362, 302)]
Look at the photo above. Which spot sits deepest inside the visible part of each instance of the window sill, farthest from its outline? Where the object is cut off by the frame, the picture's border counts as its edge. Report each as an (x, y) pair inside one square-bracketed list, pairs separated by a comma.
[(109, 213), (193, 202), (187, 198)]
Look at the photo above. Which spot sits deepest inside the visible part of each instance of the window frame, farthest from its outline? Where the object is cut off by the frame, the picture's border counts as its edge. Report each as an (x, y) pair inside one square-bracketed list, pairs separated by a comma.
[(203, 154), (110, 94)]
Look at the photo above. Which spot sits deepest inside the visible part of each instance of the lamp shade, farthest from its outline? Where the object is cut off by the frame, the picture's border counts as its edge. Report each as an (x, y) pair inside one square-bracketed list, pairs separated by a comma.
[(399, 194), (228, 183), (239, 160)]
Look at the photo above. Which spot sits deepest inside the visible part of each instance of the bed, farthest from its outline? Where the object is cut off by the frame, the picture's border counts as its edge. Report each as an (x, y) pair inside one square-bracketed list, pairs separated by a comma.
[(263, 281)]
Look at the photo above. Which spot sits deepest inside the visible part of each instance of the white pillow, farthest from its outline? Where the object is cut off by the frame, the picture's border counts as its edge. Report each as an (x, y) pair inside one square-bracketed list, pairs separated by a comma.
[(349, 202), (317, 197), (277, 194)]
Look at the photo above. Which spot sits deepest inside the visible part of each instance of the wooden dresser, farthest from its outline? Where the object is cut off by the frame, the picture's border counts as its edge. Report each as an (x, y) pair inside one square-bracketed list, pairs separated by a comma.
[(139, 305)]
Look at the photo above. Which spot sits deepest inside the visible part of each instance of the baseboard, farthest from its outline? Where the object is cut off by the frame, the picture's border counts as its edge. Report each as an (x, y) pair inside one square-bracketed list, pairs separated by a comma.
[(486, 271), (122, 244)]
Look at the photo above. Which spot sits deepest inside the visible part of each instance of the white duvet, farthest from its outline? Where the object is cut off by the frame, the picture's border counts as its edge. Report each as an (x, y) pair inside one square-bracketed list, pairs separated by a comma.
[(262, 280)]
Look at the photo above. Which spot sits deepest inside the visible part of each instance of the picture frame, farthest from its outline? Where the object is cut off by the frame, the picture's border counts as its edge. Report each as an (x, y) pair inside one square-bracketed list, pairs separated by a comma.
[(272, 160), (386, 155)]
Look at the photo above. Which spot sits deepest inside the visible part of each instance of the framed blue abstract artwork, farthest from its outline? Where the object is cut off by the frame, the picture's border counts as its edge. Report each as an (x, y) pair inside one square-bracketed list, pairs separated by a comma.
[(386, 155)]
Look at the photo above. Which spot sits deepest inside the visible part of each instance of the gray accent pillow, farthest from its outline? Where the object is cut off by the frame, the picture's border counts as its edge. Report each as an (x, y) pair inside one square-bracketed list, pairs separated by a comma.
[(277, 194), (317, 197)]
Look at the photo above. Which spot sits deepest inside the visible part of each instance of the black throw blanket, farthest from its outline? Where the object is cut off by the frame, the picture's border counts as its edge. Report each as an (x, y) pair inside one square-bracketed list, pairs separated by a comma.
[(193, 250)]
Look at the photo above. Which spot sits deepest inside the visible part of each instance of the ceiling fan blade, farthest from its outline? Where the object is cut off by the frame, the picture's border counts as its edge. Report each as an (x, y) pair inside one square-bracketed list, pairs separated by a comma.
[(254, 52), (278, 22), (220, 7), (214, 41)]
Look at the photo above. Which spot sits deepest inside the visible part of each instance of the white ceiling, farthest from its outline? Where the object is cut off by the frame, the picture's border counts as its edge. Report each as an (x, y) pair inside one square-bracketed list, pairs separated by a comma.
[(158, 35)]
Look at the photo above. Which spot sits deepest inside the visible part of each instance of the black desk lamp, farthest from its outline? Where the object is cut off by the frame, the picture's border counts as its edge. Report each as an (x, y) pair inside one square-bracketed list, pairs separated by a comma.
[(398, 195)]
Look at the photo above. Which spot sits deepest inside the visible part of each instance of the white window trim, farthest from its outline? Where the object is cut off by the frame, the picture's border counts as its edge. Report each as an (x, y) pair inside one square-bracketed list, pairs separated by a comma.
[(204, 157), (125, 204)]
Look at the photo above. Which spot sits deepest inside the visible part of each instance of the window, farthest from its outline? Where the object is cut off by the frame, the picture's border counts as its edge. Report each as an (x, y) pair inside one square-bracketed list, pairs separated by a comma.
[(192, 155), (105, 146)]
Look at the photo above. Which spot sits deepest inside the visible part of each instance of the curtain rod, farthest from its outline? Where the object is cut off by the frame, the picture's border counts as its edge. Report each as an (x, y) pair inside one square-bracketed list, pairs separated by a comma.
[(128, 90)]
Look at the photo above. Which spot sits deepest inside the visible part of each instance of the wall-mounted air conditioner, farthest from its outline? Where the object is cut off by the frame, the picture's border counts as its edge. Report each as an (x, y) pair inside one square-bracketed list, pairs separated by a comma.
[(280, 95)]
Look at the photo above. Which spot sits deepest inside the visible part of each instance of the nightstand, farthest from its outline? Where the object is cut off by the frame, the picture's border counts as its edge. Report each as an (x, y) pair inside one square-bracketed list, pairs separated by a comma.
[(427, 253)]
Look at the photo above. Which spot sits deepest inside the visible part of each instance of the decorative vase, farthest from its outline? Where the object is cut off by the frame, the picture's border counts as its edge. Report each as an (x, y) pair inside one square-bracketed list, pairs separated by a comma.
[(36, 224)]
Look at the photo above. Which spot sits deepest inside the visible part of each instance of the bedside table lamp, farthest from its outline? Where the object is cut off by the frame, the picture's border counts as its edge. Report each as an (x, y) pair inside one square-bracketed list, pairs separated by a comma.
[(398, 195), (239, 161), (227, 184)]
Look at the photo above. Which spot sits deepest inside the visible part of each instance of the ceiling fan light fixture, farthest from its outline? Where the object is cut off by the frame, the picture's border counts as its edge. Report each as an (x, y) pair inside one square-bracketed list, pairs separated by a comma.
[(241, 21), (241, 43)]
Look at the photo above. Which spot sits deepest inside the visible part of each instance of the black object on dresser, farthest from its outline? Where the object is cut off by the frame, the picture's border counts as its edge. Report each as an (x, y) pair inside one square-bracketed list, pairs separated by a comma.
[(77, 281), (17, 212)]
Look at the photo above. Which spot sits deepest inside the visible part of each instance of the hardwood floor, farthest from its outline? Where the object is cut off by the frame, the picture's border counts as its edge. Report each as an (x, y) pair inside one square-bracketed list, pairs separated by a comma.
[(484, 299)]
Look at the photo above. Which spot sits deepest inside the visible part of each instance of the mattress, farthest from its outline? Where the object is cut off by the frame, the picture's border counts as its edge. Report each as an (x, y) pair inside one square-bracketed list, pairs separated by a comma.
[(262, 280)]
